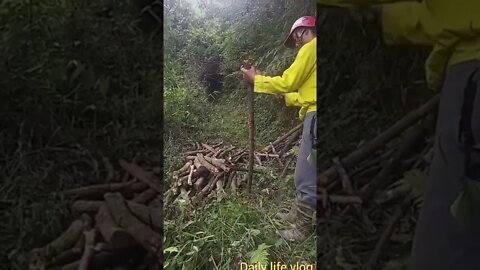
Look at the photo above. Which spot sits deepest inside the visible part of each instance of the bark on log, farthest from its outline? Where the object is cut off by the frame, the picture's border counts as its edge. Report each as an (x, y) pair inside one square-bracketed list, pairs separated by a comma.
[(363, 152), (207, 165), (110, 231), (218, 163), (148, 178), (194, 152), (209, 148), (149, 239), (65, 241), (183, 169)]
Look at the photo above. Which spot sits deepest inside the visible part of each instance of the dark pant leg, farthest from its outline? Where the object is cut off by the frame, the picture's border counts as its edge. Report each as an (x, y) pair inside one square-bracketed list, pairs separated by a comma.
[(306, 173), (440, 242)]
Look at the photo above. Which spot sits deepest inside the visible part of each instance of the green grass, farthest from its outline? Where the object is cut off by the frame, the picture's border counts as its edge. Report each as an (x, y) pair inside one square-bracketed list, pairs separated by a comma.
[(222, 234)]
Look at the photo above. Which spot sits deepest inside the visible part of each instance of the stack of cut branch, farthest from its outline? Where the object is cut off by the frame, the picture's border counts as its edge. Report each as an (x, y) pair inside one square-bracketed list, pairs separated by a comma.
[(373, 175), (210, 169), (116, 225)]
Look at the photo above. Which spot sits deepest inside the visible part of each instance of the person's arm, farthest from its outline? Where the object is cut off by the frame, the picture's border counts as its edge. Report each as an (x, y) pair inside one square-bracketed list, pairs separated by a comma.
[(291, 99), (293, 77), (407, 23), (402, 22)]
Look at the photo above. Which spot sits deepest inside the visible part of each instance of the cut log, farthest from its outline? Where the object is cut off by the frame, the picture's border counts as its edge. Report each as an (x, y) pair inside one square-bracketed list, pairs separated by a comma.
[(110, 231), (207, 165), (150, 216), (97, 191), (189, 153), (148, 178), (218, 163), (183, 169), (149, 239)]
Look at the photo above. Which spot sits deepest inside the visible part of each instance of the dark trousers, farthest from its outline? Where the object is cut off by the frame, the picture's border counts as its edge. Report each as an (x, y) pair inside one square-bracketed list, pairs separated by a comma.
[(306, 173), (441, 242)]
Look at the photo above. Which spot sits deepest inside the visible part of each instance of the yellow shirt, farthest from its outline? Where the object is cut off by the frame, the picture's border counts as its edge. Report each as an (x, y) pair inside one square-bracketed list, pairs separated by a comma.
[(298, 83), (450, 27)]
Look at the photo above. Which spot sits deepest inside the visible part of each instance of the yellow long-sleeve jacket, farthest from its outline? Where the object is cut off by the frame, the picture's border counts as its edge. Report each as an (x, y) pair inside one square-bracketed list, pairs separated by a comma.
[(298, 83), (450, 27)]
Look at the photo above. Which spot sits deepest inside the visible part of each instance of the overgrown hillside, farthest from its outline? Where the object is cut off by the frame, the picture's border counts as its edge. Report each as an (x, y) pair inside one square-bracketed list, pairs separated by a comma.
[(205, 102)]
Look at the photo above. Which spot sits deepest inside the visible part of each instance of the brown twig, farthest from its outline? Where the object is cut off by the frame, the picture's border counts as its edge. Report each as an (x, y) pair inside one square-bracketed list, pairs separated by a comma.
[(390, 226)]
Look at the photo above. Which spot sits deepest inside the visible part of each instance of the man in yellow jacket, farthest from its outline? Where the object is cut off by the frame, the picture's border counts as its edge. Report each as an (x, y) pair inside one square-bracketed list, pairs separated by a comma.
[(298, 85), (444, 240)]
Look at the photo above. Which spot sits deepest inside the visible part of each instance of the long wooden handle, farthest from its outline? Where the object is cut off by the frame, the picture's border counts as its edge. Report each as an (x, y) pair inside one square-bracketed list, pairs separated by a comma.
[(251, 134)]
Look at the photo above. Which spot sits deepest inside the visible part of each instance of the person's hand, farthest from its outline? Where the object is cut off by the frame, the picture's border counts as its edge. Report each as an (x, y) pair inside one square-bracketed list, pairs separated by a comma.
[(249, 74), (281, 98)]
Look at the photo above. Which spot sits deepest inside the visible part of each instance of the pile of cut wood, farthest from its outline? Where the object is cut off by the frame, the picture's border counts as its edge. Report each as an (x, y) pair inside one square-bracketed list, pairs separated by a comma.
[(210, 169), (117, 225)]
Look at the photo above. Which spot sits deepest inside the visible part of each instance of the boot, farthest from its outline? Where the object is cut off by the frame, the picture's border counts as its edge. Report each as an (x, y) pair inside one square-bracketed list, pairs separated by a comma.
[(303, 225), (290, 216)]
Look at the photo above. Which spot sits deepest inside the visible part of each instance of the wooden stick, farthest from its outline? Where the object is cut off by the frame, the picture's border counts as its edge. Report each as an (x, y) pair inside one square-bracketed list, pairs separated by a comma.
[(398, 214), (209, 148), (380, 179), (96, 191), (346, 183), (251, 135), (342, 199), (363, 152), (148, 178), (284, 171), (189, 179), (189, 153), (299, 126), (66, 240)]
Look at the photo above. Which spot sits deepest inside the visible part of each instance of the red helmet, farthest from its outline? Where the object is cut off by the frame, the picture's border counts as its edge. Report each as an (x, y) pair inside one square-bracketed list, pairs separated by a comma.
[(305, 21)]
